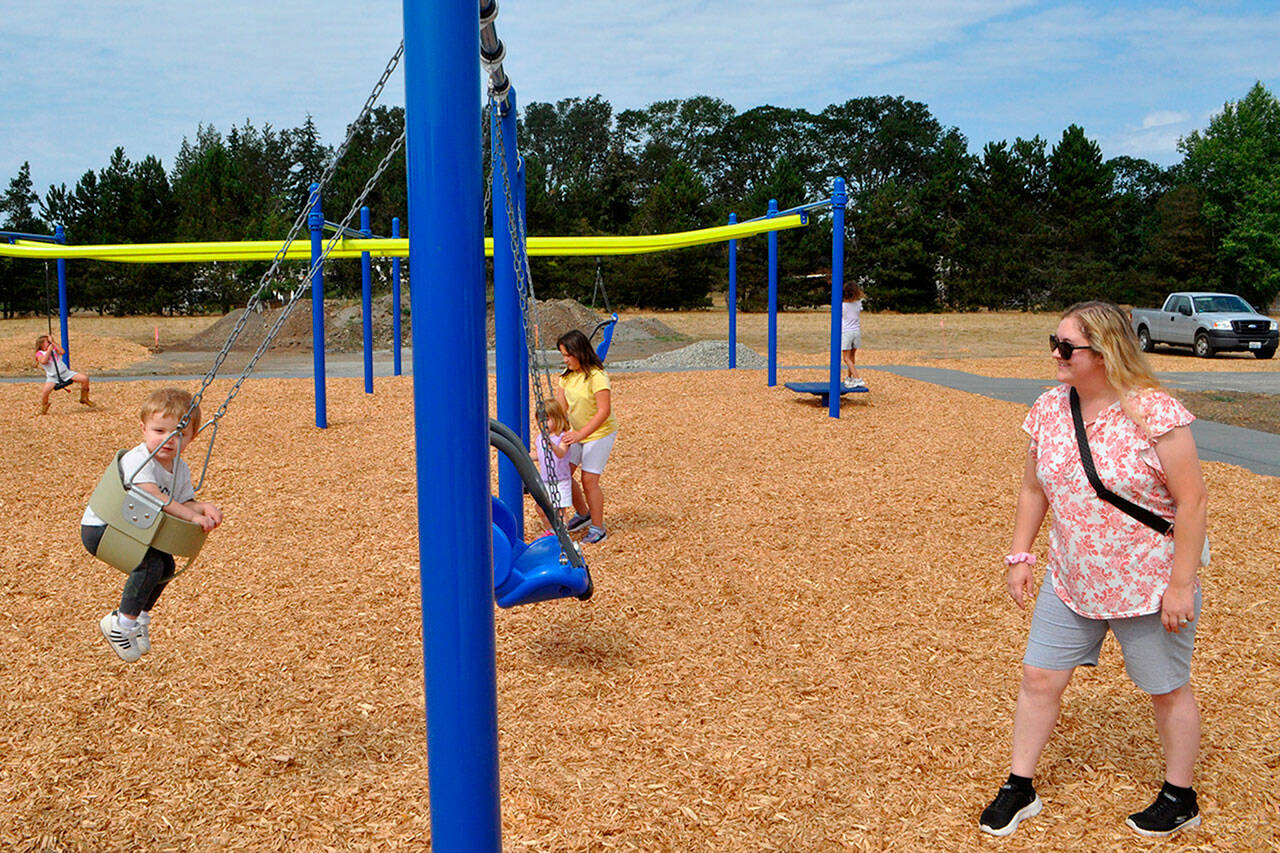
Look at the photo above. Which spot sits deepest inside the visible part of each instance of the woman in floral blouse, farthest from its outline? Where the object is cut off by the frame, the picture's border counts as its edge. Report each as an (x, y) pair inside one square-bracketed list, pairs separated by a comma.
[(1106, 569)]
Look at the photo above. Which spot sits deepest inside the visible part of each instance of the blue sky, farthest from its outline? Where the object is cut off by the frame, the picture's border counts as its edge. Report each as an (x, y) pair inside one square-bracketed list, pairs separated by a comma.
[(84, 76)]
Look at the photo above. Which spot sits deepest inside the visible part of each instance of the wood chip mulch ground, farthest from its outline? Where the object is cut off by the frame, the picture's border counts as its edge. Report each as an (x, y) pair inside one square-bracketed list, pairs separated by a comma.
[(799, 640)]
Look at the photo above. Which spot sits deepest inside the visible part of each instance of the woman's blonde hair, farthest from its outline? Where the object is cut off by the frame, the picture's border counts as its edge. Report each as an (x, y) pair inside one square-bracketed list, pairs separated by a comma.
[(173, 403), (40, 342), (557, 419), (1106, 328)]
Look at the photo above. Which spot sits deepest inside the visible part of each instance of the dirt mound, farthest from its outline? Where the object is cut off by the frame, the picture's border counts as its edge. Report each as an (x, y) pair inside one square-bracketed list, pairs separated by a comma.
[(343, 331)]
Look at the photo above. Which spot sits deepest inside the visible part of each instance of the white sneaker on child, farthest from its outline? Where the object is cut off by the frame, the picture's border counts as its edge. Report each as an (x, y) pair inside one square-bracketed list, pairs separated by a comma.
[(144, 633), (123, 641)]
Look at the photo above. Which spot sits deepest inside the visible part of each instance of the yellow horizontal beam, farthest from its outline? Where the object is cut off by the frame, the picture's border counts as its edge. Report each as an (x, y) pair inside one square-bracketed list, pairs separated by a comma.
[(387, 247)]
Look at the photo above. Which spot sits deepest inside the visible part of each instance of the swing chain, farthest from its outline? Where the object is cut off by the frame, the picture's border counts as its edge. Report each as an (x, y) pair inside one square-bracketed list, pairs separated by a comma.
[(305, 283), (255, 300), (528, 304)]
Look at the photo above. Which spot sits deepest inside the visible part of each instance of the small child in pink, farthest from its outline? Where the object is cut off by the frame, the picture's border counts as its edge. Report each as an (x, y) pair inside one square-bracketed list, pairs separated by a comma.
[(553, 461)]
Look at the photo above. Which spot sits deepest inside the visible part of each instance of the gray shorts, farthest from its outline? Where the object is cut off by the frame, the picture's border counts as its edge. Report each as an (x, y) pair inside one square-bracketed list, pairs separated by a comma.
[(1158, 661)]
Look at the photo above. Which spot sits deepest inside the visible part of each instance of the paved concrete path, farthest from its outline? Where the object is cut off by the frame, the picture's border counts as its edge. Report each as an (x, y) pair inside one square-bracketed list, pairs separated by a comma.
[(1258, 451)]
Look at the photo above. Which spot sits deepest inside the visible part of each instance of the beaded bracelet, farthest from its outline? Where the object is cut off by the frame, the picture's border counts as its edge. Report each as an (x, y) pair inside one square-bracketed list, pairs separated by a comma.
[(1020, 557)]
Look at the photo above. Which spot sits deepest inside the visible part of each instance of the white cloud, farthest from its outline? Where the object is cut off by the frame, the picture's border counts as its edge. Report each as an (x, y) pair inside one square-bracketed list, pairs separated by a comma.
[(1163, 118)]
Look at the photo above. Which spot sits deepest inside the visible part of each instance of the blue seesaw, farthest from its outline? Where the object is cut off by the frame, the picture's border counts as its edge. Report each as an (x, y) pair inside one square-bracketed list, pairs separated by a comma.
[(822, 389)]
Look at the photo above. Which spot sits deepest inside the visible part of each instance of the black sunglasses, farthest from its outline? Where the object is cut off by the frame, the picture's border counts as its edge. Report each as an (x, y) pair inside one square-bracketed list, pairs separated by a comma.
[(1064, 348)]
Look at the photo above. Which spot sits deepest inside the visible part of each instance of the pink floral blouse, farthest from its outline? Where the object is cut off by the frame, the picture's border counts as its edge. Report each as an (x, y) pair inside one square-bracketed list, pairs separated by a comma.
[(1103, 563)]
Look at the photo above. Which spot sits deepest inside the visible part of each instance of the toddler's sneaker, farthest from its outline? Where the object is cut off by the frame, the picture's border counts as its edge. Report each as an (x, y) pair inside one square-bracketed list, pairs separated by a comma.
[(594, 535), (123, 641), (1167, 815), (1011, 805), (144, 635), (579, 521)]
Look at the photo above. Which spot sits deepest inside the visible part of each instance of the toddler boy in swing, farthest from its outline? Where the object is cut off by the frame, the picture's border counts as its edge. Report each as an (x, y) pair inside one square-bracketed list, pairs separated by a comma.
[(165, 475)]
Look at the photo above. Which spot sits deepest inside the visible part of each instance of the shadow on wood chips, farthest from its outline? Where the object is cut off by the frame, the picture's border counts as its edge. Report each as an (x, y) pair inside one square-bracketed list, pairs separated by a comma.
[(800, 640)]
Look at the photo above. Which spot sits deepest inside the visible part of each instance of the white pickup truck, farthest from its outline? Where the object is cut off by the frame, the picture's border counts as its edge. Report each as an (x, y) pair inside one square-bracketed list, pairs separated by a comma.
[(1208, 323)]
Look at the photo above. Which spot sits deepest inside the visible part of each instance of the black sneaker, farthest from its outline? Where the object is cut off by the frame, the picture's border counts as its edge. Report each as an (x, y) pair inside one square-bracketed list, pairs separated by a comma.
[(1009, 807), (578, 522), (1168, 814)]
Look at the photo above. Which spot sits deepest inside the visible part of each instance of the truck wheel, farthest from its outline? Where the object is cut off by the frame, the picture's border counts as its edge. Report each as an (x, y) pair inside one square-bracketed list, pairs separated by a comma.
[(1144, 340), (1203, 348), (1265, 352)]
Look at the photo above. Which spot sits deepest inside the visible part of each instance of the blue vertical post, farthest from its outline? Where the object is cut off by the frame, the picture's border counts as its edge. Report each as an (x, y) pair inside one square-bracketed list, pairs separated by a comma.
[(773, 297), (315, 221), (522, 353), (447, 303), (838, 201), (508, 325), (395, 299), (366, 301), (732, 299), (60, 234)]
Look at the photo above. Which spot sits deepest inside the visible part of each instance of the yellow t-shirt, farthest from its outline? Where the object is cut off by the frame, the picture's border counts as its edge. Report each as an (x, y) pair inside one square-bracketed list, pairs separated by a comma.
[(580, 391)]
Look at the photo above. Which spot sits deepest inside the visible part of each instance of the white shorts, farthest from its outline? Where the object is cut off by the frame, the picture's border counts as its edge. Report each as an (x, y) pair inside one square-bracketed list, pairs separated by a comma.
[(562, 488), (850, 340), (591, 456)]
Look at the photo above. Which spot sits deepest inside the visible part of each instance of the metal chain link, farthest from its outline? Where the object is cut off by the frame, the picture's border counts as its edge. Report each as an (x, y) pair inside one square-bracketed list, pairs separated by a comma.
[(268, 277), (528, 304), (254, 304)]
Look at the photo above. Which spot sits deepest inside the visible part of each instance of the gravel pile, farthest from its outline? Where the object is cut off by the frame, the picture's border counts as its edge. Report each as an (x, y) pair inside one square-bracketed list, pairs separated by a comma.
[(703, 354)]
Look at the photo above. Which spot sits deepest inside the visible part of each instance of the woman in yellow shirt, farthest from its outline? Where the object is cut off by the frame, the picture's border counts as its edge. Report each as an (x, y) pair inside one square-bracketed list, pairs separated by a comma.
[(584, 393)]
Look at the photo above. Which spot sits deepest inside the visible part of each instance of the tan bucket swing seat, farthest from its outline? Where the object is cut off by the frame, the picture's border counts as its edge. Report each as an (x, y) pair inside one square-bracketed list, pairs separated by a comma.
[(136, 521)]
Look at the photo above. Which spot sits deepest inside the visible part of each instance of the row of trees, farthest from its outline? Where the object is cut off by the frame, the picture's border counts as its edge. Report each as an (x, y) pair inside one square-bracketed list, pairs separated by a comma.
[(1023, 224)]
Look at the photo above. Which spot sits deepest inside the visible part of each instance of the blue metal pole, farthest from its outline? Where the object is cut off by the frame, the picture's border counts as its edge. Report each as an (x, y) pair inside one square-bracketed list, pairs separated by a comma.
[(366, 301), (733, 296), (395, 299), (773, 297), (447, 303), (315, 221), (522, 353), (508, 325), (60, 234), (838, 200)]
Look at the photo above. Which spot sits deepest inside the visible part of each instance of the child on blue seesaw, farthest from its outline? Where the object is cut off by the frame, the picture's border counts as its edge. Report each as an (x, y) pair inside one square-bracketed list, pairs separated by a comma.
[(851, 334), (165, 475)]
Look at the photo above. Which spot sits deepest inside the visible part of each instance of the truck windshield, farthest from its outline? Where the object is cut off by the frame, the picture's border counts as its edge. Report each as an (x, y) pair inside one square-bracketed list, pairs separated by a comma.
[(1221, 305)]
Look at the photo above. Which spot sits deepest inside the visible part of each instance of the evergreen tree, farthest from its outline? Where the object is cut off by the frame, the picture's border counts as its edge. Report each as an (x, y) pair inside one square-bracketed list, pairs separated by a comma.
[(20, 280), (1000, 255), (1081, 241), (680, 279)]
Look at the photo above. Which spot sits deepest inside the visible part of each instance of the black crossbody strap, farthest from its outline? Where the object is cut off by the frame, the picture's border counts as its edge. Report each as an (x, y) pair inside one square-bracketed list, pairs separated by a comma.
[(1146, 516)]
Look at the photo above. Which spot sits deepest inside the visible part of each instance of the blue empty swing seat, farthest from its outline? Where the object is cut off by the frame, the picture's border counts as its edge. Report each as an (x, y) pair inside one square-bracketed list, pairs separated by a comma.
[(537, 571), (822, 389), (602, 349)]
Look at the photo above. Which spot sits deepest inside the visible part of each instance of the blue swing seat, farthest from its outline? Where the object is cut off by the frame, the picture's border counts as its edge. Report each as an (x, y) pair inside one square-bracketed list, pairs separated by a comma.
[(602, 349), (537, 571), (822, 389)]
